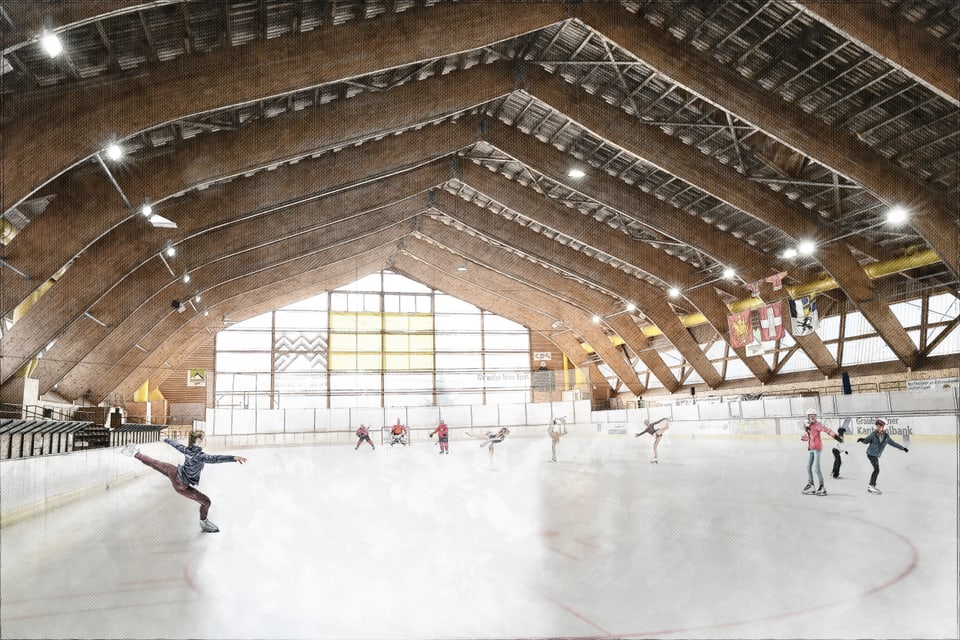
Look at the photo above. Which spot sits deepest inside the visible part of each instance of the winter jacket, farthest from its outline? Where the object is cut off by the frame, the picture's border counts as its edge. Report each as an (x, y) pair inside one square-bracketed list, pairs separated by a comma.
[(194, 459), (876, 443), (812, 436)]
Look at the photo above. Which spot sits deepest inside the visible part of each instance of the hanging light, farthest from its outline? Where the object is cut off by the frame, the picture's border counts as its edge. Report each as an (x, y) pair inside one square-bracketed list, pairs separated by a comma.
[(729, 273), (673, 292), (806, 247), (897, 215), (51, 44), (114, 152)]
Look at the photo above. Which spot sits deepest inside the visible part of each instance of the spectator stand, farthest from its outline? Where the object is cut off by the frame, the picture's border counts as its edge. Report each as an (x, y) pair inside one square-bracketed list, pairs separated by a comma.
[(26, 438), (129, 432)]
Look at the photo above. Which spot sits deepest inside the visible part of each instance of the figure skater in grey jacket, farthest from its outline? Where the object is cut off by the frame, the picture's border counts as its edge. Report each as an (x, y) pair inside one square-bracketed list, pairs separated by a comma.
[(186, 476), (876, 442)]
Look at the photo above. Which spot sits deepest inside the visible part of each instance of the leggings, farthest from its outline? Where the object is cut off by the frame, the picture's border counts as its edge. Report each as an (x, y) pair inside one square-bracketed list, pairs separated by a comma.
[(875, 461), (186, 491), (813, 462)]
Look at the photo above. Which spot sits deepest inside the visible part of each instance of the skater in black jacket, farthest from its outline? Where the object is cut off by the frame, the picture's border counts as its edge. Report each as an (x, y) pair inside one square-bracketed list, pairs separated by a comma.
[(186, 476), (836, 454)]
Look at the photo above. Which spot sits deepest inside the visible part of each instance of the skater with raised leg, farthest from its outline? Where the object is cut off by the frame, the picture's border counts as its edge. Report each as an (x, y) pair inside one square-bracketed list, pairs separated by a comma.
[(186, 476), (490, 438), (656, 432), (812, 430), (876, 442)]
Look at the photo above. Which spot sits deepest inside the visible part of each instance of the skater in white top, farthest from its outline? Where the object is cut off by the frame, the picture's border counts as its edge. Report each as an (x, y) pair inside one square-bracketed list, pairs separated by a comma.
[(656, 432), (557, 429)]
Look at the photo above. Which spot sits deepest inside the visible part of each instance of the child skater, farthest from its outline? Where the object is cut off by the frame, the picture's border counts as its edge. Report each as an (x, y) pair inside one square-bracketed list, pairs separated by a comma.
[(363, 434), (492, 439), (555, 430), (443, 436), (186, 476), (876, 442), (812, 431), (656, 432), (836, 454)]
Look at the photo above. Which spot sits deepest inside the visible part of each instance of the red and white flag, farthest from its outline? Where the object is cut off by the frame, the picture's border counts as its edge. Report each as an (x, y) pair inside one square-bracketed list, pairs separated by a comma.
[(741, 331), (754, 288), (777, 280), (771, 321)]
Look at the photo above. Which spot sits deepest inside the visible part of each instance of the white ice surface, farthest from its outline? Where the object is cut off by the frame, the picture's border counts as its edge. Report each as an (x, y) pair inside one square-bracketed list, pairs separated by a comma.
[(715, 541)]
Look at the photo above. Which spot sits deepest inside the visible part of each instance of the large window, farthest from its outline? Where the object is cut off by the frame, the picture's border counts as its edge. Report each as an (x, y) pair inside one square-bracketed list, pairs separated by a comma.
[(384, 340)]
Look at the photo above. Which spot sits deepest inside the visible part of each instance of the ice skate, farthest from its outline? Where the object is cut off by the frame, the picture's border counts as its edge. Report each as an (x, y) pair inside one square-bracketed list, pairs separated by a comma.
[(130, 450), (821, 491), (654, 461), (208, 527), (872, 489), (808, 490)]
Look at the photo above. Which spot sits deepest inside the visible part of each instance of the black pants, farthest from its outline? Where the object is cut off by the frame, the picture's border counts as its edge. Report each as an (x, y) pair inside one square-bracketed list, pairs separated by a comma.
[(875, 461), (836, 462)]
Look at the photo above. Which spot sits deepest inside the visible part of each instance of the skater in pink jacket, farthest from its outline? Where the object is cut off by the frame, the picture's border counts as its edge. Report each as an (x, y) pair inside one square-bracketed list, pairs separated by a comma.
[(812, 430)]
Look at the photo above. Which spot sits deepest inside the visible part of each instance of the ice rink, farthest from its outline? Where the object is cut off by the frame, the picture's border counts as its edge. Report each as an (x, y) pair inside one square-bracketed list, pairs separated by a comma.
[(715, 541)]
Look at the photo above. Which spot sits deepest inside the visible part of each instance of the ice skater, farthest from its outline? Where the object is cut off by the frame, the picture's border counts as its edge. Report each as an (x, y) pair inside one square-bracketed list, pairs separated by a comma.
[(556, 430), (656, 432), (398, 433), (363, 434), (837, 461), (185, 477), (490, 438), (876, 442), (443, 437), (812, 430)]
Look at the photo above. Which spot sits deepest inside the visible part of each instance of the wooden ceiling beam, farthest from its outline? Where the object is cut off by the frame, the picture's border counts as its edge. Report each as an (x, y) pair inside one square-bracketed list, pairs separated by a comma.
[(93, 206), (255, 71), (906, 46), (933, 214)]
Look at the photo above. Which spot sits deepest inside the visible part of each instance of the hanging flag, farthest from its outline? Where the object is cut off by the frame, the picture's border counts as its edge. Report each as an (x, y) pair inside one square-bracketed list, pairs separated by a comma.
[(741, 333), (771, 321), (755, 348), (777, 280), (803, 314), (754, 288)]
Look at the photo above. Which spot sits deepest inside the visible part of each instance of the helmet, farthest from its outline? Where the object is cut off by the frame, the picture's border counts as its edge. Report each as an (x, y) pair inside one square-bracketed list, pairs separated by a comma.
[(810, 412), (881, 421)]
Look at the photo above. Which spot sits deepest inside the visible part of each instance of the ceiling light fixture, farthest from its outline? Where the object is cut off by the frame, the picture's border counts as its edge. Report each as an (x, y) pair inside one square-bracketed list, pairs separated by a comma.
[(186, 277), (897, 215), (673, 292), (596, 319), (51, 44), (631, 307), (147, 209), (576, 173), (729, 273), (171, 250), (789, 253), (461, 268), (806, 247)]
